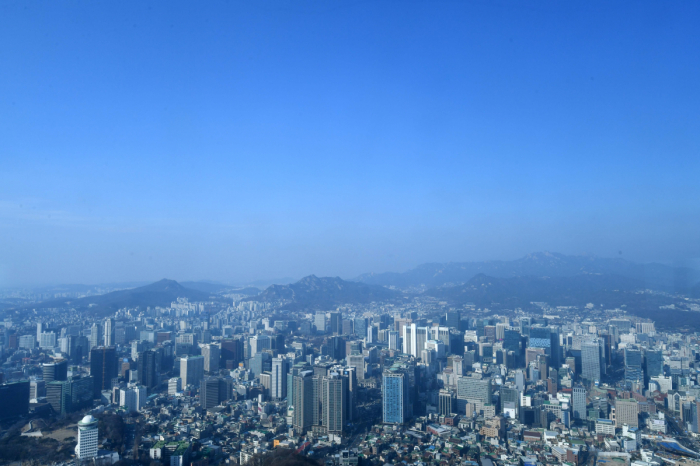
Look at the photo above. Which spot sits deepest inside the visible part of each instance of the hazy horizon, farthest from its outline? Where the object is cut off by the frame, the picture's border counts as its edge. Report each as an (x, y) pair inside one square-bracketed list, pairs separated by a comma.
[(242, 141)]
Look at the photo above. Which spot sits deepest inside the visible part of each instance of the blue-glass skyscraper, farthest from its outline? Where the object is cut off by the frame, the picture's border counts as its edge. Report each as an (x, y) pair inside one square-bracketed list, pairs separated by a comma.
[(395, 397), (633, 366), (548, 339)]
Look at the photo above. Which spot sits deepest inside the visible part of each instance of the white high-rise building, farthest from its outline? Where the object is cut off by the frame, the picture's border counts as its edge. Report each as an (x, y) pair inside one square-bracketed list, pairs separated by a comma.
[(174, 385), (48, 340), (39, 330), (414, 339), (87, 438), (109, 331), (133, 398)]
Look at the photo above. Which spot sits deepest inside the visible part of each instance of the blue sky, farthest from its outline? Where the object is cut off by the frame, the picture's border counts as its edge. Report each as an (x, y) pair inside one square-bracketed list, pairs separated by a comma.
[(243, 140)]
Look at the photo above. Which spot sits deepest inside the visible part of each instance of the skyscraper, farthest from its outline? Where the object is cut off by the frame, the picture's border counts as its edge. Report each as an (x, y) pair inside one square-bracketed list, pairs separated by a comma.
[(109, 332), (395, 393), (103, 368), (452, 319), (211, 355), (57, 370), (14, 399), (149, 368), (95, 335), (414, 339), (654, 364), (546, 338), (360, 327), (302, 418), (446, 401), (278, 379), (87, 438), (579, 402), (191, 370), (334, 393), (336, 321), (633, 366), (590, 360)]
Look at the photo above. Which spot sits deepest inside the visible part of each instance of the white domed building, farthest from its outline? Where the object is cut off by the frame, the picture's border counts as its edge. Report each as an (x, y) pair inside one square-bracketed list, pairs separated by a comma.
[(87, 438)]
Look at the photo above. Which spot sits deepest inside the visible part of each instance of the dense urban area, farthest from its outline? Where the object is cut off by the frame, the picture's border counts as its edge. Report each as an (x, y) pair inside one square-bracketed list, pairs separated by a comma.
[(233, 379)]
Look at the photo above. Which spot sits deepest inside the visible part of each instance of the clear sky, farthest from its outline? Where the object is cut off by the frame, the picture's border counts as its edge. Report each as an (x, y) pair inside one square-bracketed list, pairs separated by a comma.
[(240, 140)]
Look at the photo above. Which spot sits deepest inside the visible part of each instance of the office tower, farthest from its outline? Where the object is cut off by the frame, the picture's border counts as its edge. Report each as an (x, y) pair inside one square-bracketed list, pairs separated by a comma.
[(512, 341), (360, 327), (302, 418), (475, 390), (334, 395), (445, 402), (509, 395), (546, 338), (336, 322), (395, 394), (67, 396), (87, 438), (633, 367), (349, 373), (320, 321), (191, 370), (37, 389), (490, 333), (103, 368), (231, 353), (372, 334), (358, 362), (14, 399), (278, 378), (590, 360), (579, 402), (39, 330), (626, 412), (335, 347), (653, 364), (108, 332), (520, 381), (48, 340), (500, 331), (57, 370), (149, 368), (414, 339), (133, 397), (261, 362), (452, 319), (27, 342), (95, 336), (259, 343), (393, 340), (209, 392), (174, 385), (211, 354)]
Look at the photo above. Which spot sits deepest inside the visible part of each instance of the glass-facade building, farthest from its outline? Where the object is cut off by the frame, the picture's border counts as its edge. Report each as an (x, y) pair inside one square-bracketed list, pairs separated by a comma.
[(395, 397)]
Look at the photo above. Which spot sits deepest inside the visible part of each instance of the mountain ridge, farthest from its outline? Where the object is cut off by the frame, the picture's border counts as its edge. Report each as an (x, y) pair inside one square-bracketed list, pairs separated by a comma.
[(543, 264)]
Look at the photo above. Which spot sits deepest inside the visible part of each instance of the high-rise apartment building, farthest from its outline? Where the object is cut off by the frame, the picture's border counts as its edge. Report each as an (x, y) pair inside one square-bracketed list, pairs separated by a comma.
[(302, 419), (334, 395)]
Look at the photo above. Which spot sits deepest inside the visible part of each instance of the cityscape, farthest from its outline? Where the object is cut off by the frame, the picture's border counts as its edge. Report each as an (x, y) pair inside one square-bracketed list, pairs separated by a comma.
[(349, 233), (245, 373)]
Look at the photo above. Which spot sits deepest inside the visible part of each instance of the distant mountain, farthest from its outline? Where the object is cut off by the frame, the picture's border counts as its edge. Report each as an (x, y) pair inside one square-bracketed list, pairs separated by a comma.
[(543, 264), (160, 293), (485, 291), (325, 292)]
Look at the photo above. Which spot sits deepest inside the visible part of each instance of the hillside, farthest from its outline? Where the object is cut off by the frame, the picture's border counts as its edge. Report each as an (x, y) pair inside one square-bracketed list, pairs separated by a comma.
[(543, 264), (160, 293), (325, 292)]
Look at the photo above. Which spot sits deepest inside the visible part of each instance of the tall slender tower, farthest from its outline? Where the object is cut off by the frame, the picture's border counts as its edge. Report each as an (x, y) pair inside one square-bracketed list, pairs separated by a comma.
[(87, 438)]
